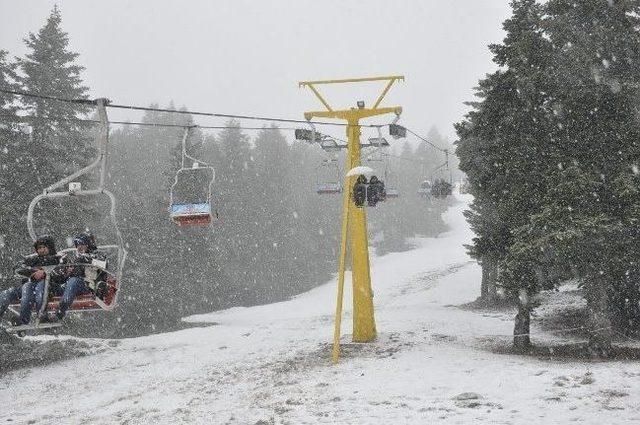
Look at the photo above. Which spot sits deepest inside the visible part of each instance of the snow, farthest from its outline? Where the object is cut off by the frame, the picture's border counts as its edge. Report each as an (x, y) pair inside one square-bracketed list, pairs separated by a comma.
[(362, 169), (271, 364)]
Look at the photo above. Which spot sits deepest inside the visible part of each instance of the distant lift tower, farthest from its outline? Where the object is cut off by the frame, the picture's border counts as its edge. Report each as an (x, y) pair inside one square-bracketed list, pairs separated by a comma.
[(354, 219)]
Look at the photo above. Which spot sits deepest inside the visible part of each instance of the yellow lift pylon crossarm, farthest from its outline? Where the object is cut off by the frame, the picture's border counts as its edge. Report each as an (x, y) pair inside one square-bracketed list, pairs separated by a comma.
[(354, 219)]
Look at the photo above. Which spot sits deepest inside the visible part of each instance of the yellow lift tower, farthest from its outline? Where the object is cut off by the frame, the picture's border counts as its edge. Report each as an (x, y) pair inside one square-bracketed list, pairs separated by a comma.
[(354, 219)]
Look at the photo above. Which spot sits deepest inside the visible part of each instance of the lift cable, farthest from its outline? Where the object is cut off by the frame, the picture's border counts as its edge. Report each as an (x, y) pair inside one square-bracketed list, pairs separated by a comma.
[(426, 141), (209, 114), (173, 111), (27, 118)]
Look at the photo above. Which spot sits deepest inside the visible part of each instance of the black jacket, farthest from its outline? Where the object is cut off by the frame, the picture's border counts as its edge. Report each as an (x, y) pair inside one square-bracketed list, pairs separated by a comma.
[(77, 258), (32, 263)]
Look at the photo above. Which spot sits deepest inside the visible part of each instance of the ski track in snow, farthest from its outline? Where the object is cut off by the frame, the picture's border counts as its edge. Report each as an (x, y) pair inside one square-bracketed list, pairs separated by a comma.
[(271, 364)]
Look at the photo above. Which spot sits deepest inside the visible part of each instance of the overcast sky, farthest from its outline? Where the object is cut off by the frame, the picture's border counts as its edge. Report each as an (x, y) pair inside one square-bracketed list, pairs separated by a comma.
[(246, 57)]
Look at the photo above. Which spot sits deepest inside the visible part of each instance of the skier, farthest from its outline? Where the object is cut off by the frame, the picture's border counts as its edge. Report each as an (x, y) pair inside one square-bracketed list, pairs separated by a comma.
[(31, 268)]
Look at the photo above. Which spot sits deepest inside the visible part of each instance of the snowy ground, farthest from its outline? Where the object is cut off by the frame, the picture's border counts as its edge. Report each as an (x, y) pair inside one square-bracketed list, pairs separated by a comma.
[(271, 364)]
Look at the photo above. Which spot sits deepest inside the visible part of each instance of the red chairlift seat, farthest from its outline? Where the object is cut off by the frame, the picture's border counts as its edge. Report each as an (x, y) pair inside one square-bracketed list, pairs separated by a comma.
[(84, 301), (193, 220)]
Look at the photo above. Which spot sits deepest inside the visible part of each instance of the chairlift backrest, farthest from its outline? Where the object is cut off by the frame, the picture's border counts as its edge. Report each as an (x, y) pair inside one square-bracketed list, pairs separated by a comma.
[(397, 131)]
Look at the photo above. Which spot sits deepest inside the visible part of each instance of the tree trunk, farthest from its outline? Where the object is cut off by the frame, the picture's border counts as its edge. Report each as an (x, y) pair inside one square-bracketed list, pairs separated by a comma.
[(492, 289), (521, 329), (488, 290), (484, 286), (599, 323)]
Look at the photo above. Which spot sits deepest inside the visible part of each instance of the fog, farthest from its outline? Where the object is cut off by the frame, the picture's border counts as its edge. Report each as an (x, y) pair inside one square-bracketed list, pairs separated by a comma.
[(247, 57)]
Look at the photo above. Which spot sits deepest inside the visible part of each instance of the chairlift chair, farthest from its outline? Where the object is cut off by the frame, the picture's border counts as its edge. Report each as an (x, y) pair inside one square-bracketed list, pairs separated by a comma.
[(379, 156), (191, 191), (425, 189), (441, 188), (391, 191), (328, 177), (397, 131), (111, 274)]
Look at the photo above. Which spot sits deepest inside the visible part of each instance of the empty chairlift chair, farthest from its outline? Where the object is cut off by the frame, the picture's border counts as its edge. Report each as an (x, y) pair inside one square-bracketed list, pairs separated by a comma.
[(191, 192), (391, 190), (328, 178)]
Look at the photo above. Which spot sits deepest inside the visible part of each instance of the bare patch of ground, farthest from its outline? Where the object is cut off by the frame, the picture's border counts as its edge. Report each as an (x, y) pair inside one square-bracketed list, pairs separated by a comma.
[(16, 353)]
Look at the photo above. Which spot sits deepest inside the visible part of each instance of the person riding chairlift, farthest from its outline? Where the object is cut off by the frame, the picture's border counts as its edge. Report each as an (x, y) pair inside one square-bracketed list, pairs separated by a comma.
[(441, 188), (360, 191), (376, 191), (86, 252), (32, 286)]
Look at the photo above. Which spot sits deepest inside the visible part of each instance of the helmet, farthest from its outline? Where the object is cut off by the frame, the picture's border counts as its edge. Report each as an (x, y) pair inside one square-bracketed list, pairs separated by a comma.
[(87, 239)]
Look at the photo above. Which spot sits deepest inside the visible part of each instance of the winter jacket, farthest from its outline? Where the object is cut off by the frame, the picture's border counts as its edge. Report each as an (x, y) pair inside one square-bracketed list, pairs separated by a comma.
[(78, 258), (32, 263)]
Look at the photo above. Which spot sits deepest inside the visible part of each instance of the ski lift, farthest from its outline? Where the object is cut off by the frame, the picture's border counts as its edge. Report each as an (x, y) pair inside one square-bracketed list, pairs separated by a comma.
[(425, 189), (104, 299), (391, 191), (379, 142), (307, 135), (328, 179), (386, 188), (397, 131), (377, 188), (304, 134), (190, 193), (367, 187), (442, 188), (328, 144)]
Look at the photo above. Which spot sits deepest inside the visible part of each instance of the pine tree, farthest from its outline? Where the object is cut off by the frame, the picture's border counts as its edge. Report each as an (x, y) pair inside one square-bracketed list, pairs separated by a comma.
[(15, 172), (588, 222), (58, 143), (236, 185), (276, 212), (50, 68), (550, 151), (503, 150)]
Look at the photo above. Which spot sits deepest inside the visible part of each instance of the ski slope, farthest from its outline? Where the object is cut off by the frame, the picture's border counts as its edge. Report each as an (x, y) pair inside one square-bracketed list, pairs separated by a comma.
[(271, 364)]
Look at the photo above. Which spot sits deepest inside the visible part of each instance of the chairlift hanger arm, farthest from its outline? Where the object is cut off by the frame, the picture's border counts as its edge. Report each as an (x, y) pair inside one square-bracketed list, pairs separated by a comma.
[(352, 80), (350, 114), (319, 96), (365, 112), (103, 138), (383, 94)]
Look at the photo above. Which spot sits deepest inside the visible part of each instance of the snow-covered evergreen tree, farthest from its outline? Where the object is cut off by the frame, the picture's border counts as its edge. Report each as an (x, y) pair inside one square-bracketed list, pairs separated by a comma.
[(15, 169), (502, 148), (49, 68)]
